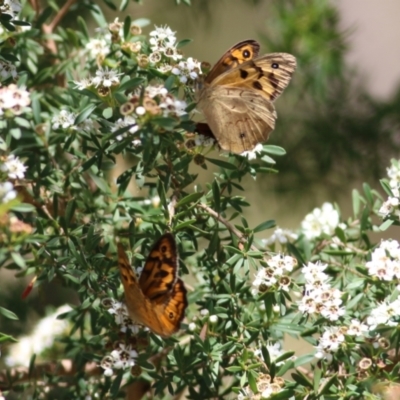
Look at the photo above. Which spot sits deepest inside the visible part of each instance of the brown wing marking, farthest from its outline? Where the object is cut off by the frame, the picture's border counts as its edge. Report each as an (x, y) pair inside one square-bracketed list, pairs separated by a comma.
[(128, 276), (176, 305), (270, 73), (236, 55), (160, 271)]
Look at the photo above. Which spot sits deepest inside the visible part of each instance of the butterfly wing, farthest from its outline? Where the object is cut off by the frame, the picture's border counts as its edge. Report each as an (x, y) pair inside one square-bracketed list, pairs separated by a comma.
[(238, 54), (239, 118), (160, 270), (158, 298), (269, 74)]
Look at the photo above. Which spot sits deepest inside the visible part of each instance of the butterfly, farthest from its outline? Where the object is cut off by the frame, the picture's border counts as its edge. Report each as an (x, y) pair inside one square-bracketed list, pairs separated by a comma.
[(158, 298), (238, 94)]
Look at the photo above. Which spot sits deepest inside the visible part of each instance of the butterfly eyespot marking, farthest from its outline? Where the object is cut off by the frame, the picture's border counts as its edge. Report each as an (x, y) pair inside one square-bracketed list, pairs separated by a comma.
[(275, 65), (163, 249), (246, 54), (171, 315), (242, 135), (243, 73)]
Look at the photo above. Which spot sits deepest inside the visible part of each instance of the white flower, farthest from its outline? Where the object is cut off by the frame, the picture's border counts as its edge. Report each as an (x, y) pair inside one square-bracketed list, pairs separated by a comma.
[(204, 312), (97, 47), (357, 328), (213, 319), (330, 341), (83, 84), (281, 236), (321, 221), (252, 154), (41, 339), (12, 7), (201, 140), (7, 70), (192, 326), (173, 107), (140, 110), (14, 98), (7, 192), (106, 78), (187, 70), (64, 120), (163, 40), (125, 122), (14, 167)]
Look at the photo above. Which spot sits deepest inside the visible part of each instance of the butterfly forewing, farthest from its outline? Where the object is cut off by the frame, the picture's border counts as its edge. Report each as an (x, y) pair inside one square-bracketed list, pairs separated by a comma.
[(160, 270), (269, 74), (236, 55)]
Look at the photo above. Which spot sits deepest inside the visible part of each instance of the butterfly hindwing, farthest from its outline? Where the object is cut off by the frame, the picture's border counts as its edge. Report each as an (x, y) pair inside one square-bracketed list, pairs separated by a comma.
[(247, 115), (158, 298)]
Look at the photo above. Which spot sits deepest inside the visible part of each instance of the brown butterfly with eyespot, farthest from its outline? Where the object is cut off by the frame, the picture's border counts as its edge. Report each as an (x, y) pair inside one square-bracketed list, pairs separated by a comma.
[(157, 299), (238, 94)]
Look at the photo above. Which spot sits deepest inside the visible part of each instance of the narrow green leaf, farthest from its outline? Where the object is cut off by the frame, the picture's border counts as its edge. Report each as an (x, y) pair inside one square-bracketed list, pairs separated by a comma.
[(8, 314), (191, 198), (85, 113), (265, 225), (222, 164)]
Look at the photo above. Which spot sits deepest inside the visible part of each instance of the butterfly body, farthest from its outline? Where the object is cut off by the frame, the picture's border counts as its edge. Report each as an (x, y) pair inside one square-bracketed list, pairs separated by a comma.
[(158, 298), (238, 94)]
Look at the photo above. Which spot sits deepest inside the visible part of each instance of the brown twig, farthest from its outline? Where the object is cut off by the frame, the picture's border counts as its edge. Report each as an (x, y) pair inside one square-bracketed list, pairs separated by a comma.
[(242, 238)]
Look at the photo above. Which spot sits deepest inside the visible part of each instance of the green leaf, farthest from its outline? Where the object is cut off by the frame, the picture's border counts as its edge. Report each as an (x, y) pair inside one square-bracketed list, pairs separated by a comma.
[(8, 314), (183, 43), (222, 164), (191, 198), (265, 225), (107, 113), (23, 207), (386, 225), (84, 114), (131, 84), (100, 183)]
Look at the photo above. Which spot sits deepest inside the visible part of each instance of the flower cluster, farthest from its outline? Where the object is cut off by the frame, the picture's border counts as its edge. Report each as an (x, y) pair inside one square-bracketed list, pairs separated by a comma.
[(321, 221), (385, 261), (13, 167), (41, 339), (64, 120), (127, 121), (122, 357), (281, 236), (390, 208), (156, 101), (386, 314), (14, 99), (274, 277), (121, 315), (320, 298), (103, 81), (266, 388), (163, 40)]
